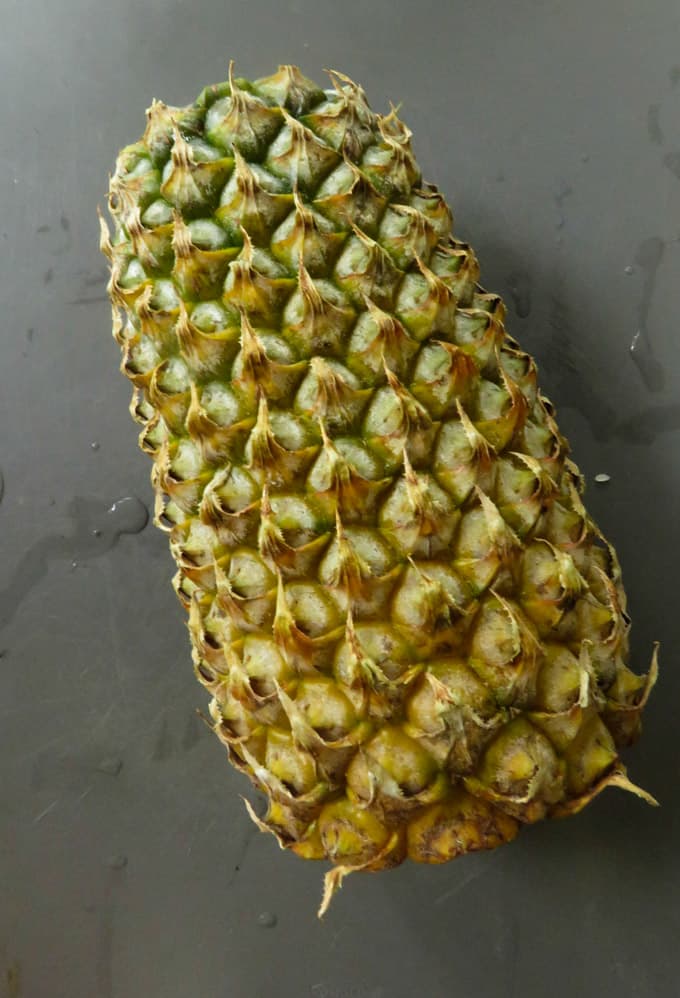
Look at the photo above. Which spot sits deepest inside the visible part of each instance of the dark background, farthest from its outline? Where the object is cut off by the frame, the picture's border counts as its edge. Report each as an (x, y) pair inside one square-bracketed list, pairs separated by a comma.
[(128, 866)]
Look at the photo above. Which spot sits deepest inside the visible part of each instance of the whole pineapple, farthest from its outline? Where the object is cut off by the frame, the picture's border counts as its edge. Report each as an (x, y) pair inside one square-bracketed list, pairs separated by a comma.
[(414, 635)]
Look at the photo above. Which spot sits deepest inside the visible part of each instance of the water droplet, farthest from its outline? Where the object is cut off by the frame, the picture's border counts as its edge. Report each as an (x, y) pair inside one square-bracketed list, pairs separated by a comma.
[(111, 766), (267, 919), (95, 445), (74, 565), (602, 479), (128, 516), (628, 270), (117, 862), (96, 533)]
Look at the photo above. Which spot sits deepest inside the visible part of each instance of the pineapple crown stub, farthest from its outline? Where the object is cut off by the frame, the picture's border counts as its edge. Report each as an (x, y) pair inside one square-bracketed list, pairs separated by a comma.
[(414, 635)]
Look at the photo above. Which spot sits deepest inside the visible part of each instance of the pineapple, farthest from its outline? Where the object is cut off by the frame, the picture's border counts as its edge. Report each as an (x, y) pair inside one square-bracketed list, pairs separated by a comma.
[(414, 636)]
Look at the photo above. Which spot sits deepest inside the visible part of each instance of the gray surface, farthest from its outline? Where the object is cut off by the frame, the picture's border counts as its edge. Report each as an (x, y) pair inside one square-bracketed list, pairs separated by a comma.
[(128, 868)]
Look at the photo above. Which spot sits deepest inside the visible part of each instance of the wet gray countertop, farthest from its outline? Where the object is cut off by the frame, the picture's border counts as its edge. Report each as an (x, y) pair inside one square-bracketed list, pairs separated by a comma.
[(128, 866)]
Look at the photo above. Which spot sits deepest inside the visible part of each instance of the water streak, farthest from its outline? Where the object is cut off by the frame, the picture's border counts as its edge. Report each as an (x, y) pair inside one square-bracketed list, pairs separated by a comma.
[(648, 258), (96, 529), (519, 287)]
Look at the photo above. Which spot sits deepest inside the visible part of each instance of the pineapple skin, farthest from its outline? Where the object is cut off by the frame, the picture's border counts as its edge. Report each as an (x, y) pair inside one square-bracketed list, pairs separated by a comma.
[(414, 635)]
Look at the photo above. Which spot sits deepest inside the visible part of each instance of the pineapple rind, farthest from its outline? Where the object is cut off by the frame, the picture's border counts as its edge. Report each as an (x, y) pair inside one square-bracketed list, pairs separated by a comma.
[(413, 634)]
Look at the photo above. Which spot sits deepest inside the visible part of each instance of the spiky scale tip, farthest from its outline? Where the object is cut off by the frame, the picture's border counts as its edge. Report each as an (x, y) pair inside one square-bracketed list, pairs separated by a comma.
[(414, 635)]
